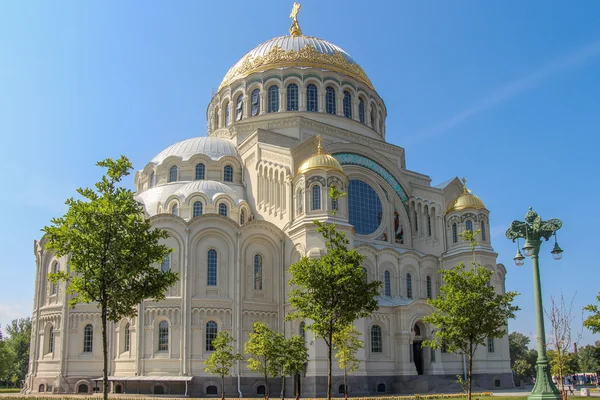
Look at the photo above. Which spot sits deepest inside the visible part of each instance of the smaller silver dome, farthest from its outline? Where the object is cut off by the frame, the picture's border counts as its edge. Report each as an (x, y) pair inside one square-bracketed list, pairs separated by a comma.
[(213, 147)]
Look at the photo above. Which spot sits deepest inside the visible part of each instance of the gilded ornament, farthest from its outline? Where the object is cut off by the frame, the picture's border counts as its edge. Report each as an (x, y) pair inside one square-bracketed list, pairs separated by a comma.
[(295, 28)]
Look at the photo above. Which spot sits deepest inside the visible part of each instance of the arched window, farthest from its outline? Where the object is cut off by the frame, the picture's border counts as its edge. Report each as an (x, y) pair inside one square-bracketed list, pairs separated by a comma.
[(300, 199), (372, 114), (200, 171), (469, 225), (483, 235), (242, 217), (347, 104), (223, 209), (316, 197), (387, 283), (127, 338), (258, 272), (273, 99), (376, 339), (55, 268), (416, 219), (429, 224), (228, 173), (409, 286), (365, 274), (152, 179), (212, 390), (175, 209), (51, 340), (211, 334), (417, 330), (454, 233), (88, 338), (292, 97), (165, 266), (239, 108), (83, 388), (226, 114), (255, 102), (303, 331), (211, 277), (361, 111), (312, 99), (197, 208), (42, 388), (330, 100), (173, 174), (163, 336), (429, 287)]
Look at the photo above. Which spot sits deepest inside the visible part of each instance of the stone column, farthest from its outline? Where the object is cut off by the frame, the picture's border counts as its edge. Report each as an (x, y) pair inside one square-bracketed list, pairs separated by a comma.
[(263, 102), (302, 98)]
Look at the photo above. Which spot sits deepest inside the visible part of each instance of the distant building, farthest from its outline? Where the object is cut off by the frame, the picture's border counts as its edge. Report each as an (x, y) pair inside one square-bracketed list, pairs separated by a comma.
[(239, 206)]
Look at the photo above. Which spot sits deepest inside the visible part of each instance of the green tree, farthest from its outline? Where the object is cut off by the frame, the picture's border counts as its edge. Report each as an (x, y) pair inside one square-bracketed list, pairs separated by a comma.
[(293, 357), (347, 343), (113, 250), (518, 346), (592, 322), (5, 361), (264, 347), (588, 358), (17, 346), (468, 311), (331, 291), (222, 359)]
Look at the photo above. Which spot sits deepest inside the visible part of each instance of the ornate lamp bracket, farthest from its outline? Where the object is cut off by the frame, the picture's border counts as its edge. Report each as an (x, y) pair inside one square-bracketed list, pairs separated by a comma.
[(533, 228)]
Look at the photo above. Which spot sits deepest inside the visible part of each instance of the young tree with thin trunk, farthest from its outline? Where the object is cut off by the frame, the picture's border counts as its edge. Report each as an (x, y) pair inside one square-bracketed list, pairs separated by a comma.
[(113, 251), (332, 290), (293, 356), (468, 311), (347, 343), (223, 358), (264, 348)]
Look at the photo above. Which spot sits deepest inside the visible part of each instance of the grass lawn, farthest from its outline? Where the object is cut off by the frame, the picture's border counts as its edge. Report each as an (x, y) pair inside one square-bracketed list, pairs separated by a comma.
[(10, 390)]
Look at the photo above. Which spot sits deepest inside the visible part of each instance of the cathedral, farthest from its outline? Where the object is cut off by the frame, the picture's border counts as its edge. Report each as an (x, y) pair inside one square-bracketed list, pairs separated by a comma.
[(293, 117)]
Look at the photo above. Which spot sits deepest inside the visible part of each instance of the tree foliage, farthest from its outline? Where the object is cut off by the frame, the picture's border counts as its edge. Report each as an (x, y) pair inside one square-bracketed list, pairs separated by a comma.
[(293, 357), (264, 348), (522, 359), (588, 358), (223, 358), (112, 250), (468, 311), (14, 352), (592, 322), (346, 342), (332, 290)]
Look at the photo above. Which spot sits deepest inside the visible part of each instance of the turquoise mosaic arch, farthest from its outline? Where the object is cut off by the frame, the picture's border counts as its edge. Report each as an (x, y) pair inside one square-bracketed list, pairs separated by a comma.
[(360, 160)]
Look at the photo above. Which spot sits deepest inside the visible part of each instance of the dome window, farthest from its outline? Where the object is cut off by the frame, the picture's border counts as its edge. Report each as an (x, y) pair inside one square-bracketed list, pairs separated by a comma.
[(364, 207), (200, 171), (152, 178), (175, 210), (239, 108), (226, 114), (273, 99), (197, 209), (483, 236), (347, 104), (361, 111), (372, 117), (312, 99), (242, 217), (211, 276), (316, 197), (292, 97), (469, 225), (454, 233), (330, 100), (173, 174), (255, 102), (228, 173), (223, 209)]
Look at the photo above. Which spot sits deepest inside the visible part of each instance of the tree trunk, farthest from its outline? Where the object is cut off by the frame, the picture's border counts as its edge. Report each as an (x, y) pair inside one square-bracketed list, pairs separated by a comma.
[(329, 351), (345, 384), (222, 386), (267, 390), (298, 387), (282, 387), (469, 372), (104, 354)]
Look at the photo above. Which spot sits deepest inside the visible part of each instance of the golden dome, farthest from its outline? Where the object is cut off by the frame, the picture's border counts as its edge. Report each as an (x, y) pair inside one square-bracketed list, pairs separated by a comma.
[(321, 160), (466, 200)]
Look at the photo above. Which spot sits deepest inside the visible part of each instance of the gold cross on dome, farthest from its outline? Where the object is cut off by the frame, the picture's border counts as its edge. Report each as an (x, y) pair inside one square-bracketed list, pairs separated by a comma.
[(464, 181)]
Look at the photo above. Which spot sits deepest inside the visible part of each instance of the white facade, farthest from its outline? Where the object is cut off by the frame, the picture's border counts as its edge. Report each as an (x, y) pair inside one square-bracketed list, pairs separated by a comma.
[(232, 267)]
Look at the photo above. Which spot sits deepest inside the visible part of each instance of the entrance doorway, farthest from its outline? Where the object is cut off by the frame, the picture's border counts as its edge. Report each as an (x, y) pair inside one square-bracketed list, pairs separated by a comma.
[(418, 356)]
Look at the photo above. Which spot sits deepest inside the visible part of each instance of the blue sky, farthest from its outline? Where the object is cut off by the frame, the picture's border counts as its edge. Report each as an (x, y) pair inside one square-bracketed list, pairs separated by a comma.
[(505, 93)]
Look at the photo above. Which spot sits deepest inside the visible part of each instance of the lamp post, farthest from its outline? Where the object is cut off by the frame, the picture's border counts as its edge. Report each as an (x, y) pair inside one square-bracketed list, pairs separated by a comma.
[(533, 229)]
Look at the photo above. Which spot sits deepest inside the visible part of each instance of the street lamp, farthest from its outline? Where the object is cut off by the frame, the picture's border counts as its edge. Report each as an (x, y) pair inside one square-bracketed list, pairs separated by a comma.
[(533, 229)]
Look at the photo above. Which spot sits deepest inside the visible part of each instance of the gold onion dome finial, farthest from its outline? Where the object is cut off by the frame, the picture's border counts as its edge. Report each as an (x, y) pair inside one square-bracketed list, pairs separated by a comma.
[(466, 200), (321, 160), (295, 28)]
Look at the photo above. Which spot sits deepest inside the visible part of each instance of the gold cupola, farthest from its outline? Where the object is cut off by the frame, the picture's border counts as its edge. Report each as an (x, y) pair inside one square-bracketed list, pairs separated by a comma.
[(321, 160), (466, 200)]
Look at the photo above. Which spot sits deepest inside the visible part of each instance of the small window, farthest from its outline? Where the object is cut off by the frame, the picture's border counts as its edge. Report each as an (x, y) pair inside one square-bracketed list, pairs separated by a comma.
[(242, 217), (83, 388), (255, 102), (239, 108), (429, 225), (416, 219), (347, 104), (330, 100), (88, 338), (273, 99), (490, 345), (211, 278), (212, 390), (376, 340), (429, 287), (200, 171), (387, 285), (42, 388), (197, 210), (409, 286), (211, 334), (454, 233), (372, 117), (260, 389), (381, 388), (175, 209), (469, 225), (51, 340), (165, 266), (292, 97), (227, 118), (312, 98), (55, 269), (127, 338), (316, 197), (483, 236), (303, 331), (163, 336), (228, 173), (361, 111), (152, 179), (258, 272), (223, 209), (173, 174)]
